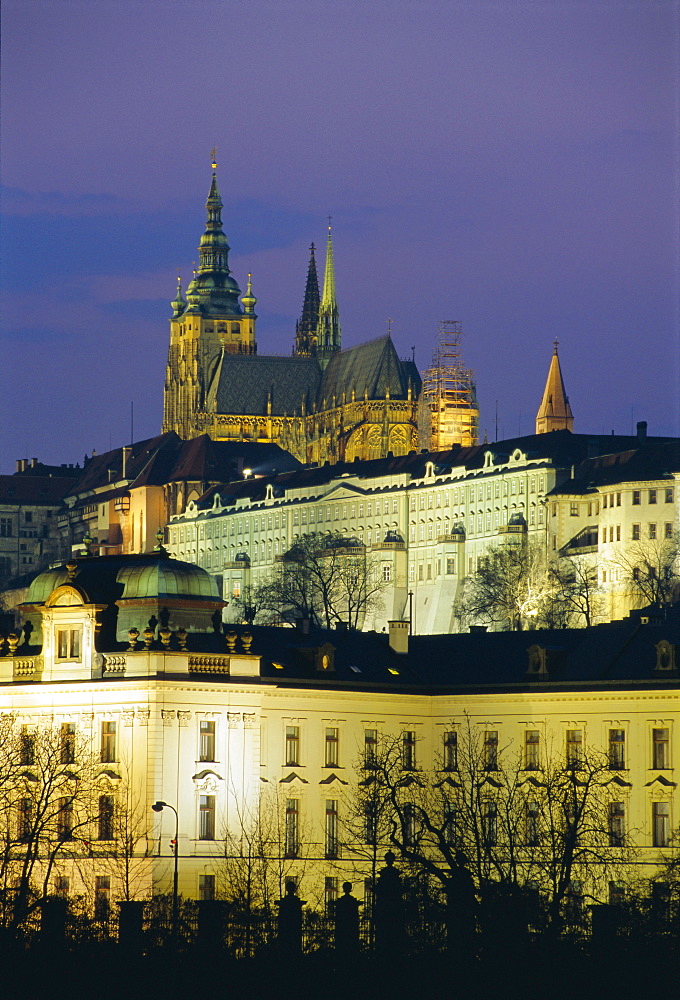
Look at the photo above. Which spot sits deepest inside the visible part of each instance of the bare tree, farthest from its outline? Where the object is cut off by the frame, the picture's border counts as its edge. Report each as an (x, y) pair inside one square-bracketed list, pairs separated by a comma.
[(322, 578), (47, 780), (262, 851), (509, 589), (120, 836), (651, 569), (541, 821), (575, 594)]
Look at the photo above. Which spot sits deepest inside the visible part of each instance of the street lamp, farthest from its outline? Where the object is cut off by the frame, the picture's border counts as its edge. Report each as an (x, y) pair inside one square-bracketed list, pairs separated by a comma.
[(159, 807)]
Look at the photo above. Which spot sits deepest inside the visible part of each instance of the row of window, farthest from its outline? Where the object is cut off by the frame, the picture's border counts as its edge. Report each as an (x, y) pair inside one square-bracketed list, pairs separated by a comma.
[(651, 531), (64, 818), (67, 744), (574, 750), (654, 496)]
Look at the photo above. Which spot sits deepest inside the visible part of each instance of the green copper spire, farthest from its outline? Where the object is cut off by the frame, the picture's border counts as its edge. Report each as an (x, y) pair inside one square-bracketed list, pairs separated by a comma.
[(328, 329), (305, 328), (217, 290), (179, 302)]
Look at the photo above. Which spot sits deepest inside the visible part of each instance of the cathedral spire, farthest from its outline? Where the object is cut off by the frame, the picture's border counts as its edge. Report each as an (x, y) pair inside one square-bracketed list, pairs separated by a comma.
[(213, 250), (305, 328), (328, 330), (554, 413)]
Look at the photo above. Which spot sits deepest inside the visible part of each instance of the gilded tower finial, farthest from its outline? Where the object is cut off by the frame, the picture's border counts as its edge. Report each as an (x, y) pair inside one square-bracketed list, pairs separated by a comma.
[(213, 157)]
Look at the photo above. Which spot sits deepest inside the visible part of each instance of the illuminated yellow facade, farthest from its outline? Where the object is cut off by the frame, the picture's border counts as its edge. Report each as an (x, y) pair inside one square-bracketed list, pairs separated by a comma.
[(212, 723)]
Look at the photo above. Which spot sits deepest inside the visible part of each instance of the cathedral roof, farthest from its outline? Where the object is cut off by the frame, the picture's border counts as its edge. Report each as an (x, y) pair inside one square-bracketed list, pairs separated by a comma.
[(373, 367), (243, 384)]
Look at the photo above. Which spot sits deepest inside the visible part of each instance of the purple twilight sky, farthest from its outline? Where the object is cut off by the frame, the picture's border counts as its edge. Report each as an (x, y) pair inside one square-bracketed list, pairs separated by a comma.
[(512, 165)]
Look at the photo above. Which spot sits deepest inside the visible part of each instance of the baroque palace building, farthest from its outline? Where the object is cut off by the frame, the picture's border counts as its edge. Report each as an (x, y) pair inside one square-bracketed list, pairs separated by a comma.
[(425, 520), (214, 724), (321, 404)]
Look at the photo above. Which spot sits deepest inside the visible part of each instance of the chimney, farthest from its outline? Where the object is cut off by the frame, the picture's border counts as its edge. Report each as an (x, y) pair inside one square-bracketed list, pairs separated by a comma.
[(126, 454), (641, 431), (398, 636), (34, 462)]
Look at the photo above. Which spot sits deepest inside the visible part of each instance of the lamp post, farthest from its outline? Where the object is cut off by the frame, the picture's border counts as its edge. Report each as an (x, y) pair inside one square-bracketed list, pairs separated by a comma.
[(159, 807)]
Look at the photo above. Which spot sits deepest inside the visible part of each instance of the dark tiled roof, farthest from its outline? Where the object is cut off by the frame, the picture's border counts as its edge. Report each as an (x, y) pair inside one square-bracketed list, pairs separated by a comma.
[(168, 459), (35, 490), (619, 654), (245, 382), (373, 367), (652, 461)]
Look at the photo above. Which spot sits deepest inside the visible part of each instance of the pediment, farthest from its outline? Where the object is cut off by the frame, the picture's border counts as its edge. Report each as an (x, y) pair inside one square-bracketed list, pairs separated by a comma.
[(67, 596), (345, 491), (330, 779)]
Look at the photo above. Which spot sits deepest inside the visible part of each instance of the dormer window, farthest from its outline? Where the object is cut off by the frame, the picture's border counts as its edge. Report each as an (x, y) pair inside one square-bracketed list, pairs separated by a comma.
[(69, 643)]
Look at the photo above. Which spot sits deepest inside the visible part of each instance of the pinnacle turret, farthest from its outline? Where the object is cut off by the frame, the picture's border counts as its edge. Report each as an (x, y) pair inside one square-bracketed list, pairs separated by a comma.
[(305, 328), (554, 413), (328, 329)]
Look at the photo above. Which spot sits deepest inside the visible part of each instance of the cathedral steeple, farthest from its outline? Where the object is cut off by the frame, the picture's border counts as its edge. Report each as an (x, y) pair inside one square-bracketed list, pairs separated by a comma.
[(305, 328), (554, 413), (328, 329)]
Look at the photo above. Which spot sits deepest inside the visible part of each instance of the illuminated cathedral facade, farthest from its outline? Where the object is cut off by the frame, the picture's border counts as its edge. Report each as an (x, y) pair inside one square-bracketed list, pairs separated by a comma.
[(321, 403)]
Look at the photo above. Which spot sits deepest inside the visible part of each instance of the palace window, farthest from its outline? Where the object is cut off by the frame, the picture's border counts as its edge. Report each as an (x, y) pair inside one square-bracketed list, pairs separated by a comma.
[(669, 495), (107, 752), (292, 745), (491, 750), (489, 823), (331, 831), (617, 824), (408, 750), (451, 750), (636, 498), (105, 818), (206, 887), (331, 747), (25, 819), (668, 529), (68, 643), (651, 528), (532, 817), (574, 747), (636, 533), (292, 827), (330, 894), (617, 749), (532, 745), (660, 749), (370, 747), (652, 496), (206, 740), (206, 817), (102, 897), (67, 753), (661, 816), (371, 822), (65, 818), (27, 746)]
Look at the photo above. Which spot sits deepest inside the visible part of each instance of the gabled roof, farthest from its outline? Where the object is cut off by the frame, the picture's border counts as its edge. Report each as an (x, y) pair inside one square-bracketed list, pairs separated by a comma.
[(373, 367)]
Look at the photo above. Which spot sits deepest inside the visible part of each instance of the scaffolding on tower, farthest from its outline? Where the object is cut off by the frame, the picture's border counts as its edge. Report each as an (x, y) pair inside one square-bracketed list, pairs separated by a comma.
[(449, 393)]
